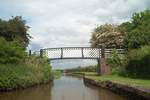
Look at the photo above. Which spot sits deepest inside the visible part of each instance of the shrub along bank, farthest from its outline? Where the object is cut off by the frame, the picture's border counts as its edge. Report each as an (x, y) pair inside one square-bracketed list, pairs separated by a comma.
[(138, 62), (31, 71), (135, 64)]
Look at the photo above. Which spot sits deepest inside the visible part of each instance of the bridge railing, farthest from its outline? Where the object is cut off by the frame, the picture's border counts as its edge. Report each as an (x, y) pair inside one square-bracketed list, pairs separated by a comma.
[(120, 52), (72, 52), (77, 52)]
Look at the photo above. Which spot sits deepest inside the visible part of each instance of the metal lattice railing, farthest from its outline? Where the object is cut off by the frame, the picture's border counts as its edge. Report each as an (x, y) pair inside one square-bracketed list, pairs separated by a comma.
[(77, 53)]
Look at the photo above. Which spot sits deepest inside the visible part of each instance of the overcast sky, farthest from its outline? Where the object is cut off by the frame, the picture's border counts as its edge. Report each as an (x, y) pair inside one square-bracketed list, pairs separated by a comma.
[(59, 23)]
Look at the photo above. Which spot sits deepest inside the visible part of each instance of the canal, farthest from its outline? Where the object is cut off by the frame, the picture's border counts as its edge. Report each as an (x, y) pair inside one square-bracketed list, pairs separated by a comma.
[(65, 88)]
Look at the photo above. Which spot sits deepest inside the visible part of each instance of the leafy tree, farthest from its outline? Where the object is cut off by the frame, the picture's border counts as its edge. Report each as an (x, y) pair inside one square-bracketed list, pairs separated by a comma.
[(11, 52), (15, 29), (108, 35), (138, 30)]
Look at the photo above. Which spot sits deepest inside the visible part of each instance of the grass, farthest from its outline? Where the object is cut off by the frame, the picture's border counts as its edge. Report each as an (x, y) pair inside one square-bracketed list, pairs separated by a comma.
[(32, 71), (119, 79), (122, 80)]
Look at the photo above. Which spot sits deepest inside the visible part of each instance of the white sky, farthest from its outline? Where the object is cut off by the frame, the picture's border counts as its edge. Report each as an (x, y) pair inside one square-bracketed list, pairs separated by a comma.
[(60, 23)]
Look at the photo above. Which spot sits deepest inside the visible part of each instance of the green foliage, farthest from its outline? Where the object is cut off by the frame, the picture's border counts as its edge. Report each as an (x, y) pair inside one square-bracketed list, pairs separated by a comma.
[(31, 71), (57, 73), (138, 30), (11, 52), (138, 62), (17, 70), (108, 35), (15, 29), (115, 62)]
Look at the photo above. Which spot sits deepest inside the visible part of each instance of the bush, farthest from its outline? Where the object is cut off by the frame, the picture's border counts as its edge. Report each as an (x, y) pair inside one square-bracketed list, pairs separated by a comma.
[(31, 71), (138, 62), (11, 52), (114, 60)]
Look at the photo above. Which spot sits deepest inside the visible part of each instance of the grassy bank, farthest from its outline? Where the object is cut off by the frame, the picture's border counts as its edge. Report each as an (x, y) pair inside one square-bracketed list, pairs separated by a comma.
[(129, 88), (31, 71), (116, 79), (119, 79)]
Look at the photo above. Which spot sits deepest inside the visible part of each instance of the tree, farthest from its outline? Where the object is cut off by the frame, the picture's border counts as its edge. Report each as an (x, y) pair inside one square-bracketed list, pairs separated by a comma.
[(15, 29), (138, 30), (108, 35), (11, 52)]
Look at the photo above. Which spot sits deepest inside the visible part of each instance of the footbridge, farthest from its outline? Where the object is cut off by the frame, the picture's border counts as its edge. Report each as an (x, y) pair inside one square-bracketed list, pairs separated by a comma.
[(100, 54)]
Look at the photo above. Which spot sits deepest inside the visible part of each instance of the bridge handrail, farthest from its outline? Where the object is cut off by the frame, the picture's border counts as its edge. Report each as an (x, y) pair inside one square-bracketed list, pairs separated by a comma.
[(70, 47), (102, 51), (81, 47)]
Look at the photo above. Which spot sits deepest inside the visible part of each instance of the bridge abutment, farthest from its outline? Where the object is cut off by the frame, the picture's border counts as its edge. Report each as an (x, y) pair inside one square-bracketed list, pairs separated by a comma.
[(104, 67)]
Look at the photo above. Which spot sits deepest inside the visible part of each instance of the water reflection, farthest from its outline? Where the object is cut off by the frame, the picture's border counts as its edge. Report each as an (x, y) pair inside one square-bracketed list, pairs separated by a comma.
[(42, 92), (65, 88)]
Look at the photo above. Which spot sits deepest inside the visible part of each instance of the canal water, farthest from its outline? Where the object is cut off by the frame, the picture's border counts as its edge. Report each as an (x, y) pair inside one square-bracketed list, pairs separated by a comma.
[(65, 88)]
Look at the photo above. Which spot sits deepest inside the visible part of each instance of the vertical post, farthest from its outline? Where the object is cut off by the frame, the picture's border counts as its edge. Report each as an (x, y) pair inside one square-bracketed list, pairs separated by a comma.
[(82, 52), (30, 52), (99, 52), (98, 67), (102, 60), (41, 53), (61, 53), (103, 52), (105, 69)]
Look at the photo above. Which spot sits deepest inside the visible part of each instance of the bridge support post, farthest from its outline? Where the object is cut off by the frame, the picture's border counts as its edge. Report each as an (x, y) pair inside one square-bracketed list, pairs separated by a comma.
[(30, 52), (104, 68), (41, 53), (61, 53), (82, 52), (98, 69)]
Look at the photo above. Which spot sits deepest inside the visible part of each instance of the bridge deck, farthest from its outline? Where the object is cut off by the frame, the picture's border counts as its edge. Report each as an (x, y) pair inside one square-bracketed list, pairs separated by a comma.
[(77, 53)]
